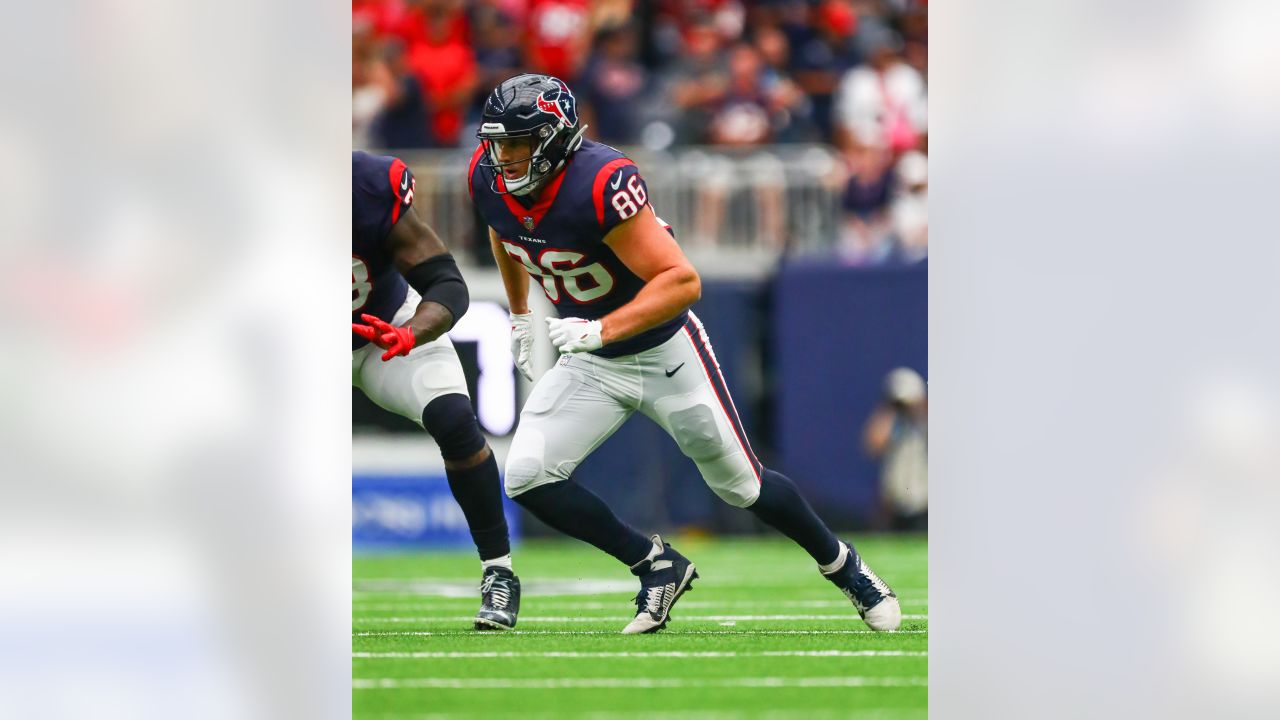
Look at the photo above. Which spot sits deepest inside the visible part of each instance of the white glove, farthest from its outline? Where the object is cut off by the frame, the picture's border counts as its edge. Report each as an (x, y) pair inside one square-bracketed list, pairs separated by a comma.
[(522, 342), (571, 335)]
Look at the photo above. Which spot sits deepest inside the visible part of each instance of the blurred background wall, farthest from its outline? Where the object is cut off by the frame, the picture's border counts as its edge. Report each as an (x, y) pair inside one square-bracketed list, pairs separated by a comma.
[(786, 141)]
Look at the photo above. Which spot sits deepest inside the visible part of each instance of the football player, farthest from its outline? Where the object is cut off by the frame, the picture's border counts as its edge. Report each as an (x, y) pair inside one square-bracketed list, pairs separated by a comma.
[(406, 293), (574, 215)]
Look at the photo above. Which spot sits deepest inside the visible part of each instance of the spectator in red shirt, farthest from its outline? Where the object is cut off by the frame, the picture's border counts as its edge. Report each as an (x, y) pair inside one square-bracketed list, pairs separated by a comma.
[(558, 37), (383, 17), (415, 23), (445, 65)]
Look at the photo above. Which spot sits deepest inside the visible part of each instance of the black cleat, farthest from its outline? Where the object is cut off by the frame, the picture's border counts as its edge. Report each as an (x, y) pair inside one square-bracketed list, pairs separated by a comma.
[(662, 581), (499, 600)]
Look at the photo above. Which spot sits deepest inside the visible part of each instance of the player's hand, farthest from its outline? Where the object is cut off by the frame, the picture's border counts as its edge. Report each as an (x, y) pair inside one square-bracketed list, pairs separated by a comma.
[(395, 340), (571, 335), (522, 343)]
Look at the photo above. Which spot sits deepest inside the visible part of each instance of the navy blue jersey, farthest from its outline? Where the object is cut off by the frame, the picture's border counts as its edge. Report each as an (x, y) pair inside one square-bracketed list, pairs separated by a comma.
[(381, 192), (559, 239)]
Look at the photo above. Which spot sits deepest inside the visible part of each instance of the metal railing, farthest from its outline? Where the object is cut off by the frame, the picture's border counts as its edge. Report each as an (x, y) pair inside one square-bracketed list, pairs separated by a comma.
[(753, 205)]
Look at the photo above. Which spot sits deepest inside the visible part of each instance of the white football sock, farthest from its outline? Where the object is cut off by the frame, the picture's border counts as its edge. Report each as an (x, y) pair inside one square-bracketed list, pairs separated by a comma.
[(838, 562), (502, 562)]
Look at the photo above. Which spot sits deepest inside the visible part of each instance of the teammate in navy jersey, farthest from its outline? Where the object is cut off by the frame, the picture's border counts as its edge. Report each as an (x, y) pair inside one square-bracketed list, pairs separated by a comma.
[(406, 293), (574, 215)]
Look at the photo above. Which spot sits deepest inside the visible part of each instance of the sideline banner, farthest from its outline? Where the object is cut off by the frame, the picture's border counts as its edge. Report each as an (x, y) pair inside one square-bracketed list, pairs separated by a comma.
[(389, 511)]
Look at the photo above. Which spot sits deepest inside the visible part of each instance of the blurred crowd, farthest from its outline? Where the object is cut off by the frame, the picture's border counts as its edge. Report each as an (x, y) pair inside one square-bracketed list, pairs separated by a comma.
[(736, 74)]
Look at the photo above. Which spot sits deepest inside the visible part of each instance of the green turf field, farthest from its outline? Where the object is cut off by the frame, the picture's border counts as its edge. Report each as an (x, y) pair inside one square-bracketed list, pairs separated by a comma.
[(760, 635)]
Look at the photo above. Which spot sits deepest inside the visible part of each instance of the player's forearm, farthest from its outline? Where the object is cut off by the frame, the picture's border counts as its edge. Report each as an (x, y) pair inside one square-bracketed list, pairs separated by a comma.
[(430, 321), (666, 295), (514, 279), (517, 285)]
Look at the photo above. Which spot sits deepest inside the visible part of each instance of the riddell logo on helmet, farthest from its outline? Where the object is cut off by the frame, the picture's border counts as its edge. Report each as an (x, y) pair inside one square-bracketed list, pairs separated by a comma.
[(550, 102)]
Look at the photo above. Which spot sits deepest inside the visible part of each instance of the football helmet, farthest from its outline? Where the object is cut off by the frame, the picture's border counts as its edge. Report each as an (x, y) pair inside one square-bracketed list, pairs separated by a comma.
[(533, 106)]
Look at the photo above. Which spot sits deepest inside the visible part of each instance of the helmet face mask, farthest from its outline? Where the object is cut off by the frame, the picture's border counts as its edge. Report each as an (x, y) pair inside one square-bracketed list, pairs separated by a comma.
[(493, 149), (540, 108)]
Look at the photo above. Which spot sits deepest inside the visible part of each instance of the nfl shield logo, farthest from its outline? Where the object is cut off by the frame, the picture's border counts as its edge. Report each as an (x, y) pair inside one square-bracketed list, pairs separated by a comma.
[(528, 222)]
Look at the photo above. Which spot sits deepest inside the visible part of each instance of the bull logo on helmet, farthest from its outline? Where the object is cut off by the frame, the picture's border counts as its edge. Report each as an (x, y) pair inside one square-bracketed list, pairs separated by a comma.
[(558, 101)]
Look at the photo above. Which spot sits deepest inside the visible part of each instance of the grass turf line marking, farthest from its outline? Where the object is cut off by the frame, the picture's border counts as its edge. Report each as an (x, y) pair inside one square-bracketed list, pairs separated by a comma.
[(862, 713), (364, 606), (472, 633), (459, 589), (656, 654), (610, 618), (565, 683)]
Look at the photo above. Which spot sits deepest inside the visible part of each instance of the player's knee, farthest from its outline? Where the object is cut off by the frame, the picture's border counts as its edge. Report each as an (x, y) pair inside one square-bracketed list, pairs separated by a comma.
[(741, 493), (521, 474), (696, 433), (470, 461), (453, 424), (524, 473)]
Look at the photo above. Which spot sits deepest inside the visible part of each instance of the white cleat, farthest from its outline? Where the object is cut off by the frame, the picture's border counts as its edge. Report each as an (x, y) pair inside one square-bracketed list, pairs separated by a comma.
[(886, 616), (875, 600), (662, 581)]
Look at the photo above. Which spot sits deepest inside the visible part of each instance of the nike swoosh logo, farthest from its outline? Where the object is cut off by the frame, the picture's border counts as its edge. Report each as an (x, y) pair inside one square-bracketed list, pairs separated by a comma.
[(675, 370), (617, 182), (404, 182)]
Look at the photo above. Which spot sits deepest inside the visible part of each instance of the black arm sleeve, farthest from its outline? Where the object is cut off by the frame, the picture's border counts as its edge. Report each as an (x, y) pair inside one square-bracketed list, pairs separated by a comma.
[(437, 279)]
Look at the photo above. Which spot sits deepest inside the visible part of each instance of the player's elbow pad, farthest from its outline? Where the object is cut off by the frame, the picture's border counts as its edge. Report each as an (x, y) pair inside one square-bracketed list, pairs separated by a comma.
[(438, 279)]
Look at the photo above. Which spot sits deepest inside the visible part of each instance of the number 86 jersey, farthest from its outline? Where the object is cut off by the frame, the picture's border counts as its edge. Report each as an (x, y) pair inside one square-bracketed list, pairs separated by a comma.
[(558, 237)]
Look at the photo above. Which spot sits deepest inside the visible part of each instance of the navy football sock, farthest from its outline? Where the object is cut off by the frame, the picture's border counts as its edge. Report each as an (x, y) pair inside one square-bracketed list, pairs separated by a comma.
[(782, 506), (478, 491), (577, 512)]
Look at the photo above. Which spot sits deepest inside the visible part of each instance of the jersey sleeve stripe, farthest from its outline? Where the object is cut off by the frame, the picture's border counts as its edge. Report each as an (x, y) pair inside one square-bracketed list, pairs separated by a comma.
[(471, 170), (597, 188), (394, 175)]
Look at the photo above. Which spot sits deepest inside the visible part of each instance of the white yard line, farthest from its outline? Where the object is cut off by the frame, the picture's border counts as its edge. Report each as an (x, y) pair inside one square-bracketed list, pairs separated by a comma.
[(384, 589), (619, 618), (570, 605), (861, 713), (562, 683), (456, 633), (655, 654)]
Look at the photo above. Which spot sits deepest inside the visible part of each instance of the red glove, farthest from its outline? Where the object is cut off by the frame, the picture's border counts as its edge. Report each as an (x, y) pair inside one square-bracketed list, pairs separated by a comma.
[(395, 340)]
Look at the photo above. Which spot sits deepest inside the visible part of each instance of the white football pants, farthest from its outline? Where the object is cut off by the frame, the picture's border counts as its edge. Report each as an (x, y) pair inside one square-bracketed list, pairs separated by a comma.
[(405, 385), (584, 399)]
